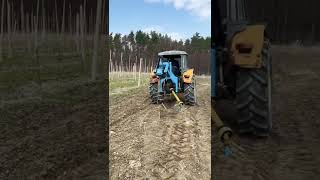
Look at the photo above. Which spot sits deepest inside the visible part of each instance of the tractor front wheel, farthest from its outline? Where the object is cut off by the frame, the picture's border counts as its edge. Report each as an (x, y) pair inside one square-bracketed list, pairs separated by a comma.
[(189, 93)]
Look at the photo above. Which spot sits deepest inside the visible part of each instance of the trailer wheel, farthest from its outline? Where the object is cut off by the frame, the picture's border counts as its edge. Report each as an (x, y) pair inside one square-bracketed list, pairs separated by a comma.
[(253, 97)]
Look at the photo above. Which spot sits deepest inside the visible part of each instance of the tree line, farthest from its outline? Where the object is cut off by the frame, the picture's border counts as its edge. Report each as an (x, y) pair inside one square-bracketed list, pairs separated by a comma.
[(127, 49), (288, 21), (52, 14)]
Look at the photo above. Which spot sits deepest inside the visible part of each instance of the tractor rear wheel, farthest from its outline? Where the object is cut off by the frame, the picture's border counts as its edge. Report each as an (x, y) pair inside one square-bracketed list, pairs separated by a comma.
[(253, 97), (153, 91), (189, 93)]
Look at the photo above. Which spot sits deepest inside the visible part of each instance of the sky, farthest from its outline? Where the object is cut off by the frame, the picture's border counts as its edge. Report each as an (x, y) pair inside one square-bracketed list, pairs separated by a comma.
[(180, 19)]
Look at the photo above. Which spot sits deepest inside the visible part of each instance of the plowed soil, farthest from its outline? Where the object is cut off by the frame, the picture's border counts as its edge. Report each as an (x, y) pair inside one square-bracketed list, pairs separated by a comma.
[(155, 141), (293, 149), (60, 134)]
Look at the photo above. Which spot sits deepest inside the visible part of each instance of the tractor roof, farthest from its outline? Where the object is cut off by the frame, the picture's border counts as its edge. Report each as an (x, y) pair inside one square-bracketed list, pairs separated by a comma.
[(173, 52)]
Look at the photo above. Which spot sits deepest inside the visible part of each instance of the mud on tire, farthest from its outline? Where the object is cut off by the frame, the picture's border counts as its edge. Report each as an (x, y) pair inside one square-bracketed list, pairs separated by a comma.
[(189, 93), (153, 91), (253, 97)]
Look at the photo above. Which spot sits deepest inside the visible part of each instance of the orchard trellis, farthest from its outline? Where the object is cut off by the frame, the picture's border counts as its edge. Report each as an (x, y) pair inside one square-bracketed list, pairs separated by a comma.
[(134, 55), (68, 34)]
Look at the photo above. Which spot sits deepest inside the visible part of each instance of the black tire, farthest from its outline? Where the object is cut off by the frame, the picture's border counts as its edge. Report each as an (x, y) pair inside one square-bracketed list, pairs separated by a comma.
[(189, 93), (253, 97), (153, 91)]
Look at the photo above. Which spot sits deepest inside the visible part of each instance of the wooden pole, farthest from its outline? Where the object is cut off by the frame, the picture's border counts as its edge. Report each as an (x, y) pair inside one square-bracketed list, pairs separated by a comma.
[(13, 24), (32, 23), (92, 18), (95, 41), (118, 71), (121, 63), (63, 18), (22, 16), (70, 17), (136, 62), (85, 16), (129, 63), (82, 38), (14, 27), (1, 33), (36, 22), (135, 71), (145, 65), (36, 29), (104, 17), (9, 29), (77, 33), (151, 65), (28, 30), (57, 21), (139, 72), (43, 21), (110, 60)]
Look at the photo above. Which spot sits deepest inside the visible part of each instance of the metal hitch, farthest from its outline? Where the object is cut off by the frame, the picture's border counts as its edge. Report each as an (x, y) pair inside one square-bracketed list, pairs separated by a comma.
[(179, 102), (224, 132)]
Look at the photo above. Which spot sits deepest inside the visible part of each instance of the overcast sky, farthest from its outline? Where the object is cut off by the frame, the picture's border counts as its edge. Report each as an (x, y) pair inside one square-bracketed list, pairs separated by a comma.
[(180, 19)]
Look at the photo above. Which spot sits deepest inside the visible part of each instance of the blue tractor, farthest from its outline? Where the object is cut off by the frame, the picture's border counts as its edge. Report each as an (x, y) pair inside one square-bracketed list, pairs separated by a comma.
[(172, 76)]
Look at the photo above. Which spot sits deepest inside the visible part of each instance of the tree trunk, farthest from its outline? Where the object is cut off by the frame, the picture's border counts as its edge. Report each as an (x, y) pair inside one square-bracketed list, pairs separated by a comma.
[(95, 41)]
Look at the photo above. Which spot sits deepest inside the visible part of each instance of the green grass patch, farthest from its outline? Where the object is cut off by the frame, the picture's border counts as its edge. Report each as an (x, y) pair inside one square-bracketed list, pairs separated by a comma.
[(121, 83), (125, 83)]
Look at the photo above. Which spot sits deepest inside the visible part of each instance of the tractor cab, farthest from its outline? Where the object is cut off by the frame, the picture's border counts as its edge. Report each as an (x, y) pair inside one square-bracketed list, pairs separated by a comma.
[(177, 59)]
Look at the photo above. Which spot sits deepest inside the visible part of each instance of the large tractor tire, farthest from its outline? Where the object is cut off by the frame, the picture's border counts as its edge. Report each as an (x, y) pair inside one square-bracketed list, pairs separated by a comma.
[(189, 93), (153, 91), (253, 97)]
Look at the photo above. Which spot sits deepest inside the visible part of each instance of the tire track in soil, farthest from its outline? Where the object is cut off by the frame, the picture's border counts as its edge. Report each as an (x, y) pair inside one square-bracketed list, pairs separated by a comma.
[(179, 140), (159, 143), (126, 142)]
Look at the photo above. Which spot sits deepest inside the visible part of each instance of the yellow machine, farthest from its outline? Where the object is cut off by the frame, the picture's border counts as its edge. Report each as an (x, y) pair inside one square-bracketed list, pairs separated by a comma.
[(241, 69)]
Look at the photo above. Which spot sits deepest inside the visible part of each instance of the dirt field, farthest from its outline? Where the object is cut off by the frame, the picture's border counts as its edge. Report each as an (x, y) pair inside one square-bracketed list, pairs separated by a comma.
[(293, 149), (52, 116), (148, 141), (58, 135)]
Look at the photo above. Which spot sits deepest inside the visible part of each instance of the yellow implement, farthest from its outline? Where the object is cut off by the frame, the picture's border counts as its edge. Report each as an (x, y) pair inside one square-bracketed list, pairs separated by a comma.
[(179, 102), (224, 132)]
